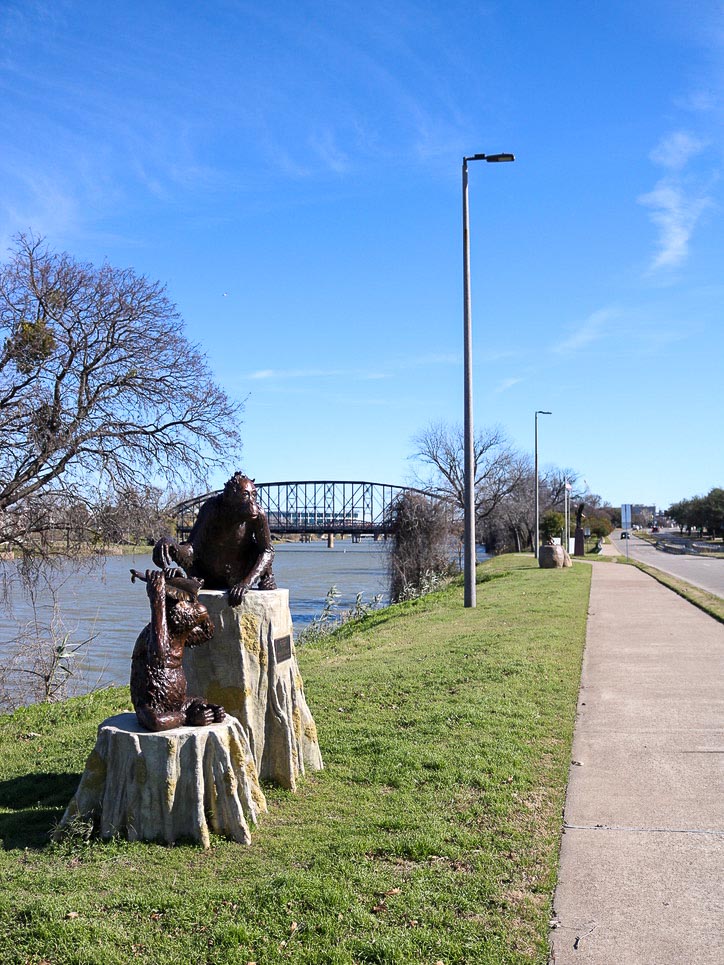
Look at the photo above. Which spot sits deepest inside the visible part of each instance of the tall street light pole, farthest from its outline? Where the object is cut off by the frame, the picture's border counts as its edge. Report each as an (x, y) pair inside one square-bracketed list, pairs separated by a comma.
[(537, 503), (469, 442)]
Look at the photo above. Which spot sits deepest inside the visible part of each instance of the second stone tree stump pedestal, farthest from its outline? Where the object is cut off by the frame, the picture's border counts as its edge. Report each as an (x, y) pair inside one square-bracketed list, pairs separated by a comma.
[(173, 785), (250, 668)]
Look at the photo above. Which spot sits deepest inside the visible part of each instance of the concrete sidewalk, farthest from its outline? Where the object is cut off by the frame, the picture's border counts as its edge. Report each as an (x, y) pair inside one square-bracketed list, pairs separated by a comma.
[(641, 877)]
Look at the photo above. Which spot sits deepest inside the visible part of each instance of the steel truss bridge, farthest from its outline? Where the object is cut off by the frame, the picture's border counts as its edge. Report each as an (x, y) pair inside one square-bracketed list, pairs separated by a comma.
[(315, 508)]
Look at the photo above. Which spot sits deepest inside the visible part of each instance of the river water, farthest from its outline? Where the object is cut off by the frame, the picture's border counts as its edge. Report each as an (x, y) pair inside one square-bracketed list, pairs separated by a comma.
[(101, 601)]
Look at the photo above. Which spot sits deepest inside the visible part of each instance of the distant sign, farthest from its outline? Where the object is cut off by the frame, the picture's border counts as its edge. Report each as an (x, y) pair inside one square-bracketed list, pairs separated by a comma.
[(626, 516)]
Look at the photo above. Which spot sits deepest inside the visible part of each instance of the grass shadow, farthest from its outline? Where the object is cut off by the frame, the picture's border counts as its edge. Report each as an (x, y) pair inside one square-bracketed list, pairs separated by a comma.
[(488, 577), (34, 804), (29, 829)]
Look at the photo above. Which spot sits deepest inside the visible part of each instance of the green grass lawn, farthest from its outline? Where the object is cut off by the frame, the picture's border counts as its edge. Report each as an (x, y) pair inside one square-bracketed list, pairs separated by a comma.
[(431, 836)]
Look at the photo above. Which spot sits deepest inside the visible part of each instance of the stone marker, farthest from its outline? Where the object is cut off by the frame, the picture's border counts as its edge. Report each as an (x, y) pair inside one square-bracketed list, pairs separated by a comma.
[(552, 557), (250, 667), (171, 785)]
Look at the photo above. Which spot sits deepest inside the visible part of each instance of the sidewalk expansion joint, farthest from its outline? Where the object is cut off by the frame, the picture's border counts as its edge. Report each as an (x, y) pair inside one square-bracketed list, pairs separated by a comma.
[(614, 827)]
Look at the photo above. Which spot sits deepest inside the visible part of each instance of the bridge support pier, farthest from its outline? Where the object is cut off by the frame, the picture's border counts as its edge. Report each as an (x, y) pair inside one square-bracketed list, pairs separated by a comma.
[(330, 541)]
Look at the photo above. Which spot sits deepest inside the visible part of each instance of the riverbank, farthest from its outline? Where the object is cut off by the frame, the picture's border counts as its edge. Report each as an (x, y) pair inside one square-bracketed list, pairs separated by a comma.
[(431, 836)]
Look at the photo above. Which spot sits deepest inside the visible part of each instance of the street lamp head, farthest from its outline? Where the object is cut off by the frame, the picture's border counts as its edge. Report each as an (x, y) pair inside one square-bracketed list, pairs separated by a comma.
[(543, 412), (491, 158)]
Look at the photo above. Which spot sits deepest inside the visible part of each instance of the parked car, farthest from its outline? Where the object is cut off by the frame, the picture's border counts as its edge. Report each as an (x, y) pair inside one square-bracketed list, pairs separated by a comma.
[(625, 535)]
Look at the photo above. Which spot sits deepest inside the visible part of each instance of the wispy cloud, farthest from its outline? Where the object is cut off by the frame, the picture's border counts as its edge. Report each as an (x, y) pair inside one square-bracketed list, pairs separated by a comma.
[(324, 145), (506, 384), (367, 85), (295, 373), (280, 375), (596, 326), (38, 202), (396, 365), (675, 214), (699, 102), (354, 91), (439, 358), (676, 149), (676, 203)]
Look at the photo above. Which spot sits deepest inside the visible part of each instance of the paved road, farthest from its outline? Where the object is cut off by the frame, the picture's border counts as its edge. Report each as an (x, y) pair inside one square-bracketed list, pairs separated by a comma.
[(706, 573)]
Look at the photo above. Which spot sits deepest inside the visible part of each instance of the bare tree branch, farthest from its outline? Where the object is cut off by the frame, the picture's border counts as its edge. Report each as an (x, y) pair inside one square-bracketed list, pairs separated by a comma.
[(99, 387), (498, 468)]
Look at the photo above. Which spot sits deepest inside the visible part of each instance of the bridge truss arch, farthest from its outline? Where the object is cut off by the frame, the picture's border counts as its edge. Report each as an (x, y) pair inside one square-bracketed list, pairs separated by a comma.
[(315, 507)]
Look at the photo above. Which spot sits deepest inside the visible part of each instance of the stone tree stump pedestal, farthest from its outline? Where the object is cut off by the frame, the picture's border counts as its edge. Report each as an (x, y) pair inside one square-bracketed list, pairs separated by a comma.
[(175, 784), (250, 668)]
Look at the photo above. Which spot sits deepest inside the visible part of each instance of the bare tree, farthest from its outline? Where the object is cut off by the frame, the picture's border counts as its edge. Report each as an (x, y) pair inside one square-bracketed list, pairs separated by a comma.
[(504, 483), (134, 516), (510, 526), (100, 391), (498, 467), (553, 487)]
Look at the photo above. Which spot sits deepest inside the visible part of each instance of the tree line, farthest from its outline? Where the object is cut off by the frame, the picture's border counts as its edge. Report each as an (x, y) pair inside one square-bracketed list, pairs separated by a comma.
[(425, 530), (504, 486), (700, 513)]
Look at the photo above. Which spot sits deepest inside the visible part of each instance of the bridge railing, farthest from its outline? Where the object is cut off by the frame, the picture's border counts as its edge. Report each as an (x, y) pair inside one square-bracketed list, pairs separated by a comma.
[(315, 506)]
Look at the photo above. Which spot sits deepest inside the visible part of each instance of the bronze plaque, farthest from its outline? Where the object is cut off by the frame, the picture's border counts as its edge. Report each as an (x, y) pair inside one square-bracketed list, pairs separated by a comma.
[(283, 647)]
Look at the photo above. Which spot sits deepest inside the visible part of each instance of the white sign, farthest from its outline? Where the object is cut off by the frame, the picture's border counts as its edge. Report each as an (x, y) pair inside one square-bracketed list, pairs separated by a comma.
[(626, 516)]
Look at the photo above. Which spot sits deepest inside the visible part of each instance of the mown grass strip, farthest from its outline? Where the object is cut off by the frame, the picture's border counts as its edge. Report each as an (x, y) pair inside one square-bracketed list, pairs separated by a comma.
[(431, 836)]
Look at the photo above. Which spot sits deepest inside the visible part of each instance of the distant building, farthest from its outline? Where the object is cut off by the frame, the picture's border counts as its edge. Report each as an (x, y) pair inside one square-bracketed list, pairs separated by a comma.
[(647, 513)]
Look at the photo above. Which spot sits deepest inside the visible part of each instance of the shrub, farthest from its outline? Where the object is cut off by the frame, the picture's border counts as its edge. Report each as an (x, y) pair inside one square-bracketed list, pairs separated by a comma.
[(421, 541)]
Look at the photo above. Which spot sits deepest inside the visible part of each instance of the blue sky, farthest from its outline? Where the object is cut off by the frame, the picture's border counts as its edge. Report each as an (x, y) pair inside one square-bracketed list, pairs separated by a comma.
[(291, 171)]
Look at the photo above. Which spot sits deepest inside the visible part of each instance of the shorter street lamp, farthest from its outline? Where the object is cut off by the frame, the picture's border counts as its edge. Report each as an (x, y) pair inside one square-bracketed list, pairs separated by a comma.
[(469, 434), (537, 503)]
